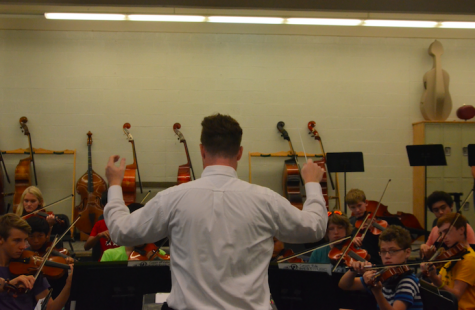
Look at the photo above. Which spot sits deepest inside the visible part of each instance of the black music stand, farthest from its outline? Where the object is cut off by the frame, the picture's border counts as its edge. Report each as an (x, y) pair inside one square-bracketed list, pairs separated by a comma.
[(423, 156), (345, 162), (471, 155)]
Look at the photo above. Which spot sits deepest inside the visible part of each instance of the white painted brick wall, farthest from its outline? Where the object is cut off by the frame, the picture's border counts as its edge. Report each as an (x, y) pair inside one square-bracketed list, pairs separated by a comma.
[(362, 92)]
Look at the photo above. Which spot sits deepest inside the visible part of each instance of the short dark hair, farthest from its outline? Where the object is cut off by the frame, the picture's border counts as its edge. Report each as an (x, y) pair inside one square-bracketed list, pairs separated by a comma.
[(9, 221), (395, 233), (221, 135), (439, 196), (38, 224)]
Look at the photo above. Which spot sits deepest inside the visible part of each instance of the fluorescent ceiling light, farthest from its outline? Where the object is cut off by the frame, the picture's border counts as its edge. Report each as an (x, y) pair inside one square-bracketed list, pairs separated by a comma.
[(399, 23), (166, 18), (245, 20), (466, 25), (324, 21), (85, 16)]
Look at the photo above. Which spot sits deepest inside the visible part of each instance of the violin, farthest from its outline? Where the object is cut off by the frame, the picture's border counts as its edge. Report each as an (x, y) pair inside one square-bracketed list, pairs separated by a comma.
[(280, 254), (408, 220), (352, 253), (22, 170), (29, 263), (148, 252), (44, 215), (184, 170), (376, 227), (385, 274), (2, 184), (323, 164), (90, 186), (291, 178), (129, 186)]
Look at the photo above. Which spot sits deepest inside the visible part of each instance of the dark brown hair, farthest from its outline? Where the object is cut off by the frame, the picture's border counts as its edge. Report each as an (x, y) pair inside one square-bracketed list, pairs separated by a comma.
[(9, 221), (354, 196), (339, 220), (397, 234), (450, 218), (221, 135)]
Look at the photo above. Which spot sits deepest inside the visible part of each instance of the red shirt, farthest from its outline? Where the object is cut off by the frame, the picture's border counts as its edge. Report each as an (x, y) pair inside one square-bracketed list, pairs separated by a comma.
[(99, 227)]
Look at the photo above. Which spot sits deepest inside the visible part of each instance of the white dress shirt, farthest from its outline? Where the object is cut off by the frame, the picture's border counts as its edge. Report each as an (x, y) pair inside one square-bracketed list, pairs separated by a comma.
[(220, 231)]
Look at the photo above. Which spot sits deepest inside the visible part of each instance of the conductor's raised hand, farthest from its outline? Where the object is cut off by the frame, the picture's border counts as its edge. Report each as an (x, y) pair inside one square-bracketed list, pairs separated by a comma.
[(312, 172), (114, 173)]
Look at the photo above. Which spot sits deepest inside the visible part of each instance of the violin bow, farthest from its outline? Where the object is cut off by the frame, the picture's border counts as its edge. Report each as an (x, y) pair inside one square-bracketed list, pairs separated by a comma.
[(376, 211), (4, 168), (459, 212), (349, 245), (50, 205), (45, 258), (285, 135), (313, 249), (411, 264)]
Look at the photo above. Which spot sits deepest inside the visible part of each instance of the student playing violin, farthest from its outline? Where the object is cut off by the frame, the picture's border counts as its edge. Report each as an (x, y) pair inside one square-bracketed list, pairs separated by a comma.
[(356, 201), (441, 203), (456, 277), (14, 232), (400, 292), (339, 226), (30, 201), (122, 253), (39, 237)]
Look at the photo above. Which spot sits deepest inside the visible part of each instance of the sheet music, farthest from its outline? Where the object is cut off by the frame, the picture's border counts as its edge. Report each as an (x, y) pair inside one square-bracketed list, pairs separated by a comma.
[(307, 267)]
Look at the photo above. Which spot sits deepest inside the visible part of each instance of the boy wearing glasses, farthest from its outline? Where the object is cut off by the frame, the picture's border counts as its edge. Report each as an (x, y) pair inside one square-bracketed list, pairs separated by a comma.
[(441, 203), (398, 293), (456, 277), (356, 201), (339, 226)]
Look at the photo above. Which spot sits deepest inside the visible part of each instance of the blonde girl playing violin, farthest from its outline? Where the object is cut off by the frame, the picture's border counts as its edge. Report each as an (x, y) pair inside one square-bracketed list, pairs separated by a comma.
[(401, 293), (30, 201)]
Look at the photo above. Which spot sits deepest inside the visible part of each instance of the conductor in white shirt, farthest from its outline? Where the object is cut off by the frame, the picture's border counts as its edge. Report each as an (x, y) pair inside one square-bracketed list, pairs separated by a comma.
[(220, 228)]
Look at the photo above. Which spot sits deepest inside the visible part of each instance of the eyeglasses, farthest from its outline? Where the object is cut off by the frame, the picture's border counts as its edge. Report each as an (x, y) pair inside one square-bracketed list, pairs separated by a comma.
[(390, 252), (334, 212)]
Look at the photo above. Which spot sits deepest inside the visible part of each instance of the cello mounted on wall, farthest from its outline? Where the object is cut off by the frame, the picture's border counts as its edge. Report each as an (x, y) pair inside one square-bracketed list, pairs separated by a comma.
[(129, 184), (291, 178), (323, 164), (22, 170), (90, 186), (185, 172)]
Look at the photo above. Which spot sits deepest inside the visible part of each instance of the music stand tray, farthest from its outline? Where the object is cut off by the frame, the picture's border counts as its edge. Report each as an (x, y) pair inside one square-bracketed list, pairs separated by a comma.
[(471, 155), (345, 162)]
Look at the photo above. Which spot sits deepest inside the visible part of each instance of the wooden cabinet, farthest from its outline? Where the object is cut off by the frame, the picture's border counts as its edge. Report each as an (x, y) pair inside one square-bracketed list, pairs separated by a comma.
[(456, 176)]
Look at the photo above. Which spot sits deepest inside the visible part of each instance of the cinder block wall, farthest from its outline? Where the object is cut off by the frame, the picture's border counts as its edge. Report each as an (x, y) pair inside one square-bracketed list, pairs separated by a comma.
[(363, 93)]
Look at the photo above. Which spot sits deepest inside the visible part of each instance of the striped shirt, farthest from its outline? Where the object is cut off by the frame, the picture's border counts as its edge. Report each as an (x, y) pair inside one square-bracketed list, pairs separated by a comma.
[(407, 290)]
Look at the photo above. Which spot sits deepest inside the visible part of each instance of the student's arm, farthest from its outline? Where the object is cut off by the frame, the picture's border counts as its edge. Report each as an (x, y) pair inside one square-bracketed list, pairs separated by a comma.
[(62, 298), (94, 237), (26, 281), (383, 304), (349, 281)]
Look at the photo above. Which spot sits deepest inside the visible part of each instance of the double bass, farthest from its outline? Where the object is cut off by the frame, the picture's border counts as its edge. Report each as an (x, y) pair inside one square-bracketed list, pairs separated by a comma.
[(2, 184), (185, 172), (90, 187), (129, 184), (22, 170), (291, 178), (323, 164)]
